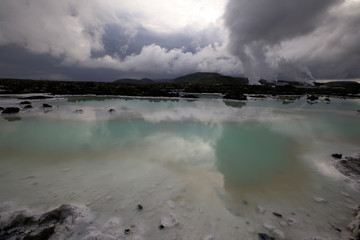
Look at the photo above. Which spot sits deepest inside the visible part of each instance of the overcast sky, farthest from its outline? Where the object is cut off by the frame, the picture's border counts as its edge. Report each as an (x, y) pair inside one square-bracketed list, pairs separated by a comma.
[(110, 39)]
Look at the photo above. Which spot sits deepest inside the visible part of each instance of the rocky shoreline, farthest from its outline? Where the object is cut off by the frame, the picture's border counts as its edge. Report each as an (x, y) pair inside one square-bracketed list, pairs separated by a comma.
[(350, 167)]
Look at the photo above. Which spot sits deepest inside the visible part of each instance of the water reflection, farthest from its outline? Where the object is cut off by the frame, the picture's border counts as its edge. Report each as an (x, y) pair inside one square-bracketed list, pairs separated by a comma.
[(257, 162)]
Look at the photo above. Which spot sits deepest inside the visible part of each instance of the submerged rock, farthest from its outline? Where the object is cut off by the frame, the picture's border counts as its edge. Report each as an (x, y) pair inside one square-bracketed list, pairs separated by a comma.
[(319, 199), (78, 111), (11, 110), (208, 237), (274, 231), (169, 222), (260, 210)]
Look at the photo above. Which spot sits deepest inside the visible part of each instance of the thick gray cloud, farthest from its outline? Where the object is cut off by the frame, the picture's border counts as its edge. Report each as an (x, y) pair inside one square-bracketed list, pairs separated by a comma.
[(105, 34), (70, 39), (287, 37)]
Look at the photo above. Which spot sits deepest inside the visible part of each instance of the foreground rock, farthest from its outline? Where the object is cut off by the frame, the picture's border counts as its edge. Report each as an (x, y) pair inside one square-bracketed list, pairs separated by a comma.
[(55, 224), (354, 226), (11, 110), (349, 166)]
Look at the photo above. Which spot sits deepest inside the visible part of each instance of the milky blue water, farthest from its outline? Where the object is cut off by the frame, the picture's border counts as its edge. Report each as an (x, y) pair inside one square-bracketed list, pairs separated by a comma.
[(209, 162)]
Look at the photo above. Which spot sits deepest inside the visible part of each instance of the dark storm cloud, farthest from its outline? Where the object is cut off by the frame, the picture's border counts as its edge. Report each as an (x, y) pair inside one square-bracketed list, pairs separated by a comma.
[(94, 34), (258, 28)]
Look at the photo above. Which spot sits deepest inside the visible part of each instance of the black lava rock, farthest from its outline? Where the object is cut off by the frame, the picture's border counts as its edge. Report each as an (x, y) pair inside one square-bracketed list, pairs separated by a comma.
[(25, 102), (312, 98), (277, 214), (45, 105), (111, 111), (10, 110), (127, 231), (264, 236), (161, 227), (337, 155), (139, 207), (28, 107)]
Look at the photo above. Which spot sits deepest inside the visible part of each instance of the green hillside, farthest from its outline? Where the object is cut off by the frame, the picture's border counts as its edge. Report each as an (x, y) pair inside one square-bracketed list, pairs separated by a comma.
[(210, 79)]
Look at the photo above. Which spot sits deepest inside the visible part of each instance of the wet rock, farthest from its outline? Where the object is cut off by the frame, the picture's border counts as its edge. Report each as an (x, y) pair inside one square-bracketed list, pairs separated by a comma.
[(354, 226), (264, 236), (54, 224), (11, 110), (327, 100), (171, 204), (260, 210), (45, 105), (139, 207), (28, 107), (312, 98), (349, 166), (277, 215), (169, 222), (25, 102), (336, 155)]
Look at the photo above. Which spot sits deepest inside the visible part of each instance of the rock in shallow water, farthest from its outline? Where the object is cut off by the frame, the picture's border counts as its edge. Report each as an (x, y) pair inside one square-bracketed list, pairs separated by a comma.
[(169, 222)]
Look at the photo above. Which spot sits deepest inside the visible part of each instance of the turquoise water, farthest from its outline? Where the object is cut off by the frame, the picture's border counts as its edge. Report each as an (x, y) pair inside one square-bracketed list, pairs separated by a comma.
[(209, 162)]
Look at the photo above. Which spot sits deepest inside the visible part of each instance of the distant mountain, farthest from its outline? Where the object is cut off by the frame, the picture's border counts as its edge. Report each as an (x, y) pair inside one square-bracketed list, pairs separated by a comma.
[(210, 79), (132, 80)]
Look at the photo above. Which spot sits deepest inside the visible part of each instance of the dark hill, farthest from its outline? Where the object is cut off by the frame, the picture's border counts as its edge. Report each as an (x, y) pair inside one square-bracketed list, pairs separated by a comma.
[(210, 79), (131, 80)]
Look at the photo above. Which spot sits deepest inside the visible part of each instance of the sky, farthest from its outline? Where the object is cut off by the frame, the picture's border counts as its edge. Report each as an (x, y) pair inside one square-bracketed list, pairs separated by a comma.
[(104, 40)]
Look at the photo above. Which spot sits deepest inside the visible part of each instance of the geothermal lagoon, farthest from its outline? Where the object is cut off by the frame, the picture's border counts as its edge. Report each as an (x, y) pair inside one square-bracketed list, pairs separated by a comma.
[(217, 169)]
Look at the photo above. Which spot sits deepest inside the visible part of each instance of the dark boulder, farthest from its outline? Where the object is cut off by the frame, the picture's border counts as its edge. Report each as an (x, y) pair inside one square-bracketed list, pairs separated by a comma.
[(312, 98), (337, 155), (111, 111), (10, 110), (54, 224), (264, 236), (45, 105), (1, 108), (28, 107), (277, 215), (25, 102)]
